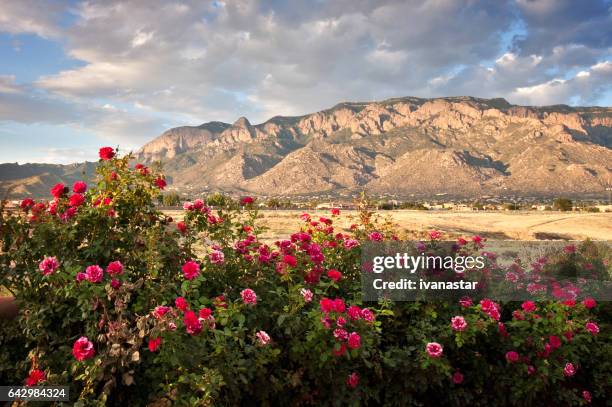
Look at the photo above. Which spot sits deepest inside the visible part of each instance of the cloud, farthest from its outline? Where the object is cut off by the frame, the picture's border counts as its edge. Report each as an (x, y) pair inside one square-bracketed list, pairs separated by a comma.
[(148, 67)]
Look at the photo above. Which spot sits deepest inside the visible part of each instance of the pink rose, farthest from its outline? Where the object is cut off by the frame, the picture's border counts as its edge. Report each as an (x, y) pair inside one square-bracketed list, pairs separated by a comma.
[(160, 311), (83, 349), (458, 323), (306, 294), (94, 274), (248, 296), (216, 257), (341, 334), (569, 370), (262, 338), (592, 328), (434, 349), (48, 266)]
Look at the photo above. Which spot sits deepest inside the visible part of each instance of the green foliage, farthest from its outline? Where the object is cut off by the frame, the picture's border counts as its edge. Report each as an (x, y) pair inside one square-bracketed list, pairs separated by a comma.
[(222, 356), (562, 204)]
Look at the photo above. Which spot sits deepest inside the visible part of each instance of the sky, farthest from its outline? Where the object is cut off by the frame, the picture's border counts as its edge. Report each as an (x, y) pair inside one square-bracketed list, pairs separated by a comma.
[(77, 75)]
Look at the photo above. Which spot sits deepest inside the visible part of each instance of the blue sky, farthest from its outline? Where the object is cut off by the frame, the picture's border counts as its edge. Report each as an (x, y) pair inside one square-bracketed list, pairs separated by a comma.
[(78, 75)]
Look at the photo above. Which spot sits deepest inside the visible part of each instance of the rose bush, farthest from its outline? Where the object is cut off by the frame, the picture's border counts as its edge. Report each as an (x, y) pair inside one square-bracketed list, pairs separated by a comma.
[(129, 307)]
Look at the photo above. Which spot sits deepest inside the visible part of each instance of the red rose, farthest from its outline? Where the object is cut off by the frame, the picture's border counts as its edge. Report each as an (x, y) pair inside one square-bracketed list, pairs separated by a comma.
[(94, 274), (191, 270), (335, 211), (181, 227), (205, 313), (512, 356), (290, 260), (77, 200), (107, 153), (352, 380), (114, 268), (83, 349), (192, 323), (354, 340), (58, 190), (160, 183), (27, 203), (246, 200), (79, 187), (181, 304), (457, 377), (334, 275), (36, 376), (154, 344), (589, 303), (528, 306)]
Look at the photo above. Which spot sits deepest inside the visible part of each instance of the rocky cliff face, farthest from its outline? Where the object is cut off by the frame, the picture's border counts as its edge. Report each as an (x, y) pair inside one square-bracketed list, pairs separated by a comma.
[(460, 146)]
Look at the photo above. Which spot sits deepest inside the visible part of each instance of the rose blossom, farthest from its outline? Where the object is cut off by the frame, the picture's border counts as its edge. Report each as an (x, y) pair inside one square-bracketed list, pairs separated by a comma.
[(290, 260), (528, 306), (465, 302), (160, 183), (586, 395), (160, 311), (512, 356), (94, 274), (354, 312), (354, 340), (367, 315), (83, 349), (350, 243), (434, 349), (458, 323), (589, 303), (106, 153), (36, 376), (352, 380), (81, 276), (335, 211), (116, 284), (26, 203), (248, 296), (216, 257), (263, 338), (306, 294), (569, 370), (114, 268), (341, 334), (191, 270), (182, 227), (246, 201), (334, 275), (79, 187), (592, 328), (192, 323), (154, 344), (375, 236), (58, 190), (457, 377), (434, 234), (48, 266), (181, 304), (340, 350)]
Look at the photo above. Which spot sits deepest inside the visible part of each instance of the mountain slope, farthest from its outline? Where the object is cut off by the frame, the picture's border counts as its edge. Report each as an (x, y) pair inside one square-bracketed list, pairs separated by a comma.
[(461, 146)]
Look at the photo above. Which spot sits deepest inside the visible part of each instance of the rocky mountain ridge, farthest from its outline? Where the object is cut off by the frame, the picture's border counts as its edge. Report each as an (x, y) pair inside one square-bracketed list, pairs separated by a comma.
[(460, 146)]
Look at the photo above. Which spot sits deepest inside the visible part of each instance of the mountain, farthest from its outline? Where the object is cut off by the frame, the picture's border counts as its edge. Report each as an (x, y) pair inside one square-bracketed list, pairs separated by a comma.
[(460, 146)]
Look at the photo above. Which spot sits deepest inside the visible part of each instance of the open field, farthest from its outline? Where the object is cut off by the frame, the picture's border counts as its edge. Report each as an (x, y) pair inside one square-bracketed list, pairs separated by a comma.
[(520, 225)]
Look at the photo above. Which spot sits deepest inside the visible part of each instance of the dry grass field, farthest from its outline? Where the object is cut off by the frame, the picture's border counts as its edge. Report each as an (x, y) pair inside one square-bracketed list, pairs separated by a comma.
[(518, 225)]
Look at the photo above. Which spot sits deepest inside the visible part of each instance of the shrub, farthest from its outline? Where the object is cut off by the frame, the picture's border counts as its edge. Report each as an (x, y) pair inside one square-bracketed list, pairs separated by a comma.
[(130, 308)]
